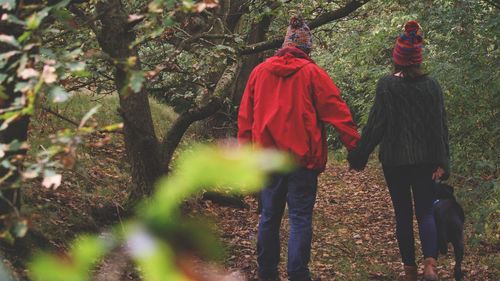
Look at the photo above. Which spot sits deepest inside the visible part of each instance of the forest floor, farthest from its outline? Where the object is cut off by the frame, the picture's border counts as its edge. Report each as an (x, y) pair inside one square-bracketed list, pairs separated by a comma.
[(354, 237), (353, 226), (353, 222)]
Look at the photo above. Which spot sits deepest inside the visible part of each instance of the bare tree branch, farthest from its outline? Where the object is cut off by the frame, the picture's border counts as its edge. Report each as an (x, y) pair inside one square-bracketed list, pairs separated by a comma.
[(181, 124), (62, 117)]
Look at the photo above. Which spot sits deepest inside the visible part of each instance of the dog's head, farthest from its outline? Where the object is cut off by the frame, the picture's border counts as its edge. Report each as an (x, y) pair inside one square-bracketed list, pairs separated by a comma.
[(443, 191)]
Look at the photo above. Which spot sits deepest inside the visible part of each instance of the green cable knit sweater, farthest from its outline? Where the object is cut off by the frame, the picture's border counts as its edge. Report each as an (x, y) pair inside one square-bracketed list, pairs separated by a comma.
[(408, 120)]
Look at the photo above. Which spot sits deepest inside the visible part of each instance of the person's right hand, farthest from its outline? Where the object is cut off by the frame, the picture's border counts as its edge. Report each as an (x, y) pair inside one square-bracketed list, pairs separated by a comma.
[(354, 163)]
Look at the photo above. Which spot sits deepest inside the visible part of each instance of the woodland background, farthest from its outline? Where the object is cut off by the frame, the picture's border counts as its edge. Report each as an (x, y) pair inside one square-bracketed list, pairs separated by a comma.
[(101, 99)]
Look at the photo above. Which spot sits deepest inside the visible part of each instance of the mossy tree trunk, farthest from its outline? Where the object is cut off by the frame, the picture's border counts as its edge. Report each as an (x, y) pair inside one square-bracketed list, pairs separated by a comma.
[(115, 38)]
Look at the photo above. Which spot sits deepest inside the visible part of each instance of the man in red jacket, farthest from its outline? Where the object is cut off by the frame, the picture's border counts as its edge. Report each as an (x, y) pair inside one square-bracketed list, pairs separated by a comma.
[(287, 100)]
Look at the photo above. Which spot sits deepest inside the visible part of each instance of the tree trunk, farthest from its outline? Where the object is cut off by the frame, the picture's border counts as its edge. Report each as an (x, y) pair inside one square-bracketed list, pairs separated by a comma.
[(257, 34), (234, 10), (140, 140)]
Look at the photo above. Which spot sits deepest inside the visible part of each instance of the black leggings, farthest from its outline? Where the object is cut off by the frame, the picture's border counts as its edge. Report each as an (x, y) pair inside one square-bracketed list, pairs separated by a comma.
[(403, 181)]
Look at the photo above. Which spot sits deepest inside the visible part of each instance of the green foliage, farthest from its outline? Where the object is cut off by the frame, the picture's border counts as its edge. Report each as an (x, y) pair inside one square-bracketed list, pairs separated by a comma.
[(237, 176), (8, 4), (136, 80), (160, 234), (26, 75), (481, 199), (180, 64), (58, 94), (51, 55), (84, 253), (80, 103), (462, 53)]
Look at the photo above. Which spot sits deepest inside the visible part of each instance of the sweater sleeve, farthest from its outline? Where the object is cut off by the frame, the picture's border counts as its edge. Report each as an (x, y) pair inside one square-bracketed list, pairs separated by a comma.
[(245, 113), (332, 109), (373, 132)]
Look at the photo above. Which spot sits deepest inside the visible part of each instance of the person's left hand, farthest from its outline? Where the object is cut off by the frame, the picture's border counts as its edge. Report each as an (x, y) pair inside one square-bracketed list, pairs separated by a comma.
[(438, 173), (354, 163)]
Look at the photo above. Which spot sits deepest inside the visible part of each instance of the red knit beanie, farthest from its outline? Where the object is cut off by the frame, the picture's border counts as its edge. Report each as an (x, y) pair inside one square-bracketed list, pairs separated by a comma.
[(408, 49)]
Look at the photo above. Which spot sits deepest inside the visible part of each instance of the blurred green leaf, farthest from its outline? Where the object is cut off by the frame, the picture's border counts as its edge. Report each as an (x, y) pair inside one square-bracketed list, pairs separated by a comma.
[(237, 170), (84, 253), (61, 4), (113, 127), (5, 274), (89, 114), (136, 80), (8, 4), (58, 94), (3, 95), (76, 66), (20, 228), (34, 21), (154, 257), (24, 36), (9, 39)]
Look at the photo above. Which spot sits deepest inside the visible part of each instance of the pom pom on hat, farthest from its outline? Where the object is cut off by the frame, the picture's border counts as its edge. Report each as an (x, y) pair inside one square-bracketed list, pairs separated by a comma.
[(408, 48), (412, 26), (296, 22)]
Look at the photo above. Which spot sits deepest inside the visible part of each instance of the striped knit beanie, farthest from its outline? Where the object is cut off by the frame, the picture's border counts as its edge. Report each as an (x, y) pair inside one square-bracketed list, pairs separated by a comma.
[(298, 35), (408, 49)]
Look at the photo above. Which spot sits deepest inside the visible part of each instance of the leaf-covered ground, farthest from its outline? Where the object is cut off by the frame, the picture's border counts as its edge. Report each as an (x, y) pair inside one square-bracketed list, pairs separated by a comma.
[(354, 236), (353, 223)]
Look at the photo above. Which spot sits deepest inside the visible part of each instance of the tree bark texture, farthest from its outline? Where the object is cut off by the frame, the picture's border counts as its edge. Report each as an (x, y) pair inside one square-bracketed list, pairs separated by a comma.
[(234, 10), (257, 34), (141, 143)]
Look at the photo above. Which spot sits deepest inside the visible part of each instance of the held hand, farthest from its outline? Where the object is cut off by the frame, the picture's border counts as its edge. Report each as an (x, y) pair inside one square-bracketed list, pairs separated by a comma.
[(354, 163), (437, 174)]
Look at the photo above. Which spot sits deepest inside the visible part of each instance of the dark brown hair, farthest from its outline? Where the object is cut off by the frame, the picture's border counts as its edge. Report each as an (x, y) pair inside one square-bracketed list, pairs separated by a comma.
[(410, 71)]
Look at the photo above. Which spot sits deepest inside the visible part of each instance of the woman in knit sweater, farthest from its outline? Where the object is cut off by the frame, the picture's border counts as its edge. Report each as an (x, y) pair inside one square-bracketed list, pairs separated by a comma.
[(408, 120)]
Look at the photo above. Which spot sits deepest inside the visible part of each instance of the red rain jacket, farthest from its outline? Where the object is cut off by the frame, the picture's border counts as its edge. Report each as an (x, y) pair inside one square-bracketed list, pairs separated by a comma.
[(287, 100)]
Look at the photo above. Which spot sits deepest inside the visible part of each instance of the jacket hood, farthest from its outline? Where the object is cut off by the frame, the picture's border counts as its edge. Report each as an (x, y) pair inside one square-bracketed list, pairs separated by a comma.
[(288, 61)]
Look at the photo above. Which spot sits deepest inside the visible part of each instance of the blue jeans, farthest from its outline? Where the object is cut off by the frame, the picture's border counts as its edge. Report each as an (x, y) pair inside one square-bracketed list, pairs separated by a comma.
[(403, 182), (298, 190)]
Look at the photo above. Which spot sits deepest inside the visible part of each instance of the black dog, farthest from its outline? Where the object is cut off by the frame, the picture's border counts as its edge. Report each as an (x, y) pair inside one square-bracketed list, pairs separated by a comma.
[(449, 217)]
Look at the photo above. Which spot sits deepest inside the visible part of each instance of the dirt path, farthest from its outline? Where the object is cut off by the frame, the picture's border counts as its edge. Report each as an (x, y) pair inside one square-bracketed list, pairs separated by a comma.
[(354, 235)]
